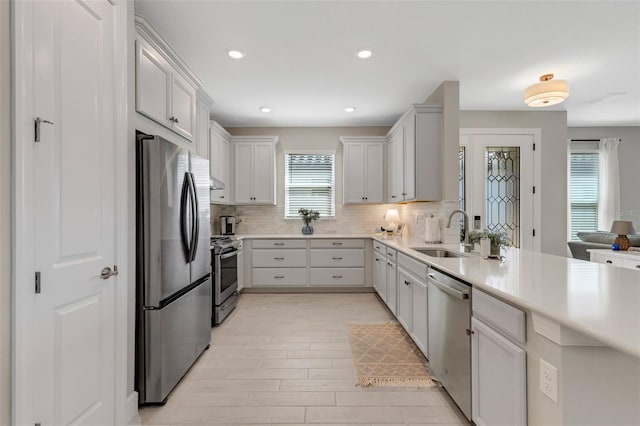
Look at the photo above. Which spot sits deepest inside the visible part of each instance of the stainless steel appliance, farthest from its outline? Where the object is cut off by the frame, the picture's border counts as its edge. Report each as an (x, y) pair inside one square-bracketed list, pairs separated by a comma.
[(450, 336), (228, 225), (173, 265), (225, 277)]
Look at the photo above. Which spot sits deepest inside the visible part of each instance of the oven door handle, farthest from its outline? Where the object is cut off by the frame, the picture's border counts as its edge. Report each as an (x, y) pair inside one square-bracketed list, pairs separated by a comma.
[(228, 255)]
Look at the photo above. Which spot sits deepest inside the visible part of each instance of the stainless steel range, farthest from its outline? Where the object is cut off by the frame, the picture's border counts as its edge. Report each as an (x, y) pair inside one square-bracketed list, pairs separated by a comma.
[(224, 264)]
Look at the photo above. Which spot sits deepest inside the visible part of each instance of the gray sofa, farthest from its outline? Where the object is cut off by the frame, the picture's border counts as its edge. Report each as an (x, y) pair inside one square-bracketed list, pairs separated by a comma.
[(596, 240)]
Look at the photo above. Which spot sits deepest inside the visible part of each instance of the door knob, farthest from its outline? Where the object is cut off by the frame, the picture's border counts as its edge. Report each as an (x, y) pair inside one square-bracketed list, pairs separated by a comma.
[(107, 273)]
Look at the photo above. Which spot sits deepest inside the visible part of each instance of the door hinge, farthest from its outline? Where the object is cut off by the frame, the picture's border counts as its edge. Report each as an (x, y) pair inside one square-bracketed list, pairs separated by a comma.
[(534, 146), (534, 232), (38, 283), (534, 189)]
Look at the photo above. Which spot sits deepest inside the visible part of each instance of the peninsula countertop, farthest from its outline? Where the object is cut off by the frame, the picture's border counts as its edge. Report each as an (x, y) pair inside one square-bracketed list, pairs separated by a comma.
[(597, 300)]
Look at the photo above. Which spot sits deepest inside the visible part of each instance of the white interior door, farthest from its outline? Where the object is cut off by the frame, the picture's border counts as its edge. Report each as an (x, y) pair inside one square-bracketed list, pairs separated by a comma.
[(75, 212), (499, 181)]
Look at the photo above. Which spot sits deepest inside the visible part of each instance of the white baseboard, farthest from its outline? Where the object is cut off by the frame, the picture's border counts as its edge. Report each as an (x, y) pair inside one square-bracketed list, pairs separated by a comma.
[(131, 409)]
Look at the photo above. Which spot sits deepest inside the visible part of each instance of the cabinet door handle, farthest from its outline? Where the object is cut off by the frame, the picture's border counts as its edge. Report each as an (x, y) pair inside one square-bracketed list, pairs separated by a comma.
[(278, 258), (222, 196), (337, 244), (407, 282), (278, 244), (366, 198), (609, 261), (278, 277), (389, 263), (470, 332), (176, 120), (378, 260), (637, 266), (393, 196), (337, 276), (337, 258)]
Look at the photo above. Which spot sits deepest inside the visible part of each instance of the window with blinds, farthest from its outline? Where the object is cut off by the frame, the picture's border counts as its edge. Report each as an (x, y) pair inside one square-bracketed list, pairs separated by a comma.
[(309, 182), (583, 188)]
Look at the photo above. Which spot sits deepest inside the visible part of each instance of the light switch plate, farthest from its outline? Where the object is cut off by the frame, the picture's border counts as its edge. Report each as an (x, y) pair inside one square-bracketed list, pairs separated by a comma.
[(549, 380)]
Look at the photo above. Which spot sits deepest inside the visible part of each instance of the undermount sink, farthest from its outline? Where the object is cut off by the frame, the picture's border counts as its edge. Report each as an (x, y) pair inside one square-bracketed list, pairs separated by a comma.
[(437, 252)]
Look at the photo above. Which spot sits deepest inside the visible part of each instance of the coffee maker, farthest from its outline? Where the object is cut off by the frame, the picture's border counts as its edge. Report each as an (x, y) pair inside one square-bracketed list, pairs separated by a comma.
[(228, 225)]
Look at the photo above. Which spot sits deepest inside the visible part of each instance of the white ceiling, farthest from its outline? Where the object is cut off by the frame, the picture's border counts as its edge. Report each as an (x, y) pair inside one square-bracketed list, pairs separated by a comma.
[(301, 56)]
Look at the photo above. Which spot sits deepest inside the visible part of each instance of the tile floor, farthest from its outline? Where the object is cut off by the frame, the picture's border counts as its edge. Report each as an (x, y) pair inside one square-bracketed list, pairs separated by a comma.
[(286, 359)]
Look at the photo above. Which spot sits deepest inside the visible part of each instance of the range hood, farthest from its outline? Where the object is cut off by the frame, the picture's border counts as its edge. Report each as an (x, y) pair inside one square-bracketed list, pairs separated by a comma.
[(215, 183)]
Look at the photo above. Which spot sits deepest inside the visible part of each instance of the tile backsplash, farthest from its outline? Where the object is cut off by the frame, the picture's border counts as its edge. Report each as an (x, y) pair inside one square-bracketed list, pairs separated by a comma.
[(350, 219)]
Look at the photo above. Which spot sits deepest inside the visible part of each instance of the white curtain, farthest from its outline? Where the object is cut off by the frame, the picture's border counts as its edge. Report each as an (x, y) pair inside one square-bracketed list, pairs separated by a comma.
[(609, 192)]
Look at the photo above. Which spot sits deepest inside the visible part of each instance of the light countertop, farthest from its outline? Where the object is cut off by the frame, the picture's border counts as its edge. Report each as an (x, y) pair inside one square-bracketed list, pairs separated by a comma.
[(600, 301)]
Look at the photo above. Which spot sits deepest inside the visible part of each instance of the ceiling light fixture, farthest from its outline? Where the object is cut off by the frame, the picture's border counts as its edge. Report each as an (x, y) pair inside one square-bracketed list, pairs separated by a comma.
[(350, 109), (236, 54), (546, 93), (265, 109), (364, 53)]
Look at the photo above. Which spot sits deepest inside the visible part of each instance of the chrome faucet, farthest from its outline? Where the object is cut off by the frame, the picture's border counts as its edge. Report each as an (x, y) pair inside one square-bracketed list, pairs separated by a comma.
[(467, 246)]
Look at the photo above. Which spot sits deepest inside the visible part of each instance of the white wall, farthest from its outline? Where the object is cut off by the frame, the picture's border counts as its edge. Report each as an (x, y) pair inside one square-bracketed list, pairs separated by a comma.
[(629, 158), (553, 193), (5, 218)]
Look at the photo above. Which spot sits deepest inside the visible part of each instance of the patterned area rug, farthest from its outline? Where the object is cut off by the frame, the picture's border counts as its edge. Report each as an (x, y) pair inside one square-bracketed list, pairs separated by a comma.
[(384, 355)]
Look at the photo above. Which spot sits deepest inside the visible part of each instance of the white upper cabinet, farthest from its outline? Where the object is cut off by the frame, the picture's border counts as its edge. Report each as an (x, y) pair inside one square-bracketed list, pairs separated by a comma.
[(254, 169), (220, 163), (165, 86), (202, 124), (415, 155), (363, 169)]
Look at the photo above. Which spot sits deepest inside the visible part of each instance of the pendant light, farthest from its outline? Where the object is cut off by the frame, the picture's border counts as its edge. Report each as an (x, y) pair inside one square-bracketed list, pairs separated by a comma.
[(546, 93)]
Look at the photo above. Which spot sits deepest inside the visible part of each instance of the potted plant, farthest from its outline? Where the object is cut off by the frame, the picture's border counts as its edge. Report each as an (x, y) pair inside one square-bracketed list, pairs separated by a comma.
[(308, 216), (498, 239)]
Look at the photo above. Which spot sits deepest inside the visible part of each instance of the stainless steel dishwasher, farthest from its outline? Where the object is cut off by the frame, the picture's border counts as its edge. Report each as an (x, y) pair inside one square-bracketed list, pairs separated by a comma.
[(449, 336)]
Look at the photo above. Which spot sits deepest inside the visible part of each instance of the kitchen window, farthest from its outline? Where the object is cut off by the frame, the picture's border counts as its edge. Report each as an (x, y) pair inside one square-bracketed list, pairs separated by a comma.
[(583, 192), (309, 182)]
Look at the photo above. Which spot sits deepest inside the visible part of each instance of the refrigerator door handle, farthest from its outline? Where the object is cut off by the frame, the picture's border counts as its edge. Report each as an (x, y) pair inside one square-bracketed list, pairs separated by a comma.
[(184, 229), (195, 225)]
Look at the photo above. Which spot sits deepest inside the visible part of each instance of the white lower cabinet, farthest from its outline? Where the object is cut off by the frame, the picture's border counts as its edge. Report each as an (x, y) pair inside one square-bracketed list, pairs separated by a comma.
[(405, 304), (309, 262), (498, 369), (419, 315), (380, 275), (392, 287)]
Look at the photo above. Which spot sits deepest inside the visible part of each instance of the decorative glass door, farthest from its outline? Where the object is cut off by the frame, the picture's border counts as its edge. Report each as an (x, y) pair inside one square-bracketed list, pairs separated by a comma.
[(496, 184)]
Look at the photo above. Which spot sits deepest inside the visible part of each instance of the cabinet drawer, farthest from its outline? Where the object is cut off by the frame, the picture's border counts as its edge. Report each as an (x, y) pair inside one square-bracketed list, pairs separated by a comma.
[(337, 276), (608, 260), (418, 269), (280, 276), (392, 254), (337, 258), (279, 258), (504, 318), (632, 263), (260, 244), (337, 243), (380, 248)]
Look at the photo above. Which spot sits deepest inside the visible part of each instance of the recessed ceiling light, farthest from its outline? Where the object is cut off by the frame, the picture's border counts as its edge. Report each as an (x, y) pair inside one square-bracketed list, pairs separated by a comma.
[(364, 53), (265, 109), (235, 54), (350, 109)]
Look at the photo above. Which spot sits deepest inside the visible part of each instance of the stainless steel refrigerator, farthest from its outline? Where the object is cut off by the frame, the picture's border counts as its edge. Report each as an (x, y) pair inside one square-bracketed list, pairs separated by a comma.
[(173, 265)]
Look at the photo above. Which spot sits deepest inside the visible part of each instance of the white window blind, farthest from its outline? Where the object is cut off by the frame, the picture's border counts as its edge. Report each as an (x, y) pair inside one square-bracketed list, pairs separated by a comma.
[(583, 186), (309, 182)]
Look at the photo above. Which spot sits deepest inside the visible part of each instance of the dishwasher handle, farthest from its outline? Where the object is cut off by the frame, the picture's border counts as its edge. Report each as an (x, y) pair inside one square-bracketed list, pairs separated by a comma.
[(447, 289)]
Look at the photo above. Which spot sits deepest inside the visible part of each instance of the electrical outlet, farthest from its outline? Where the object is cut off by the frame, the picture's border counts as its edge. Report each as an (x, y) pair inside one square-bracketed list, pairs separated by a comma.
[(549, 380)]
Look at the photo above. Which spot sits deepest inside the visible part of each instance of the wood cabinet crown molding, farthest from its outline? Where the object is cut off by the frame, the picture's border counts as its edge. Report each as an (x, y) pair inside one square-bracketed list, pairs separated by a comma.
[(214, 125), (255, 139), (362, 139), (153, 37), (414, 108)]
